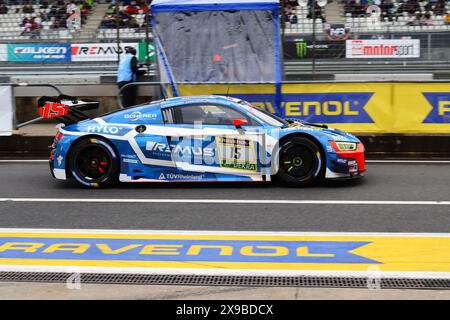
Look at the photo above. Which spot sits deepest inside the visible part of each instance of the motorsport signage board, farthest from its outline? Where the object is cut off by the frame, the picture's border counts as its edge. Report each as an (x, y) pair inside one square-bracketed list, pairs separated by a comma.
[(383, 48), (39, 52), (352, 107), (158, 252), (82, 52)]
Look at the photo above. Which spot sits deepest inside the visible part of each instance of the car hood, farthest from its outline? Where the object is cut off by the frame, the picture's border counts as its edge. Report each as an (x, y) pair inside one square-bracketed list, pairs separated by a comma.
[(319, 129)]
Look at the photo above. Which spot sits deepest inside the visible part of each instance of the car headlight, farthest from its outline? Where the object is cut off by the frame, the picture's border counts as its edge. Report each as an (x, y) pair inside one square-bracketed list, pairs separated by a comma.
[(344, 145)]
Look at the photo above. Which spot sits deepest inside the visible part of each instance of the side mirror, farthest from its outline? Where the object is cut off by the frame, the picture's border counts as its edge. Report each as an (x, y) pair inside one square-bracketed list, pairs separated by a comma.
[(238, 123)]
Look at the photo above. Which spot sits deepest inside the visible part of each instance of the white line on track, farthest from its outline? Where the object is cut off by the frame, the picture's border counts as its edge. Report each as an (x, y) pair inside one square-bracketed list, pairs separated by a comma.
[(224, 233), (228, 201)]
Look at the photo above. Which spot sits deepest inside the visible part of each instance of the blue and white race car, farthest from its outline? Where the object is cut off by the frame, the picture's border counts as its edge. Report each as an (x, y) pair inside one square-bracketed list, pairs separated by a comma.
[(201, 139)]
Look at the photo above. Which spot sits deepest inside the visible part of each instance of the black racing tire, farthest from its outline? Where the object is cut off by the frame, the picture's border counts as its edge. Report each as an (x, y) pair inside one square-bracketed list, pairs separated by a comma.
[(93, 163), (301, 162)]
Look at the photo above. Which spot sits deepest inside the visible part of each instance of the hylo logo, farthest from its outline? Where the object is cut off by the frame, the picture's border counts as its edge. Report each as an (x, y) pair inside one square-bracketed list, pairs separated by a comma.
[(103, 129)]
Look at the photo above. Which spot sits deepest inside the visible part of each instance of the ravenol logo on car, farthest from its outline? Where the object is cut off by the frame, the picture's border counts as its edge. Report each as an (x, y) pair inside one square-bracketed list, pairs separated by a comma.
[(440, 102), (345, 107), (39, 52)]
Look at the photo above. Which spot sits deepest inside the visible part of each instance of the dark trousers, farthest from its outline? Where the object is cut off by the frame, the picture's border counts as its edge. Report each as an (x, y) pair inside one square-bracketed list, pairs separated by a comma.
[(128, 94)]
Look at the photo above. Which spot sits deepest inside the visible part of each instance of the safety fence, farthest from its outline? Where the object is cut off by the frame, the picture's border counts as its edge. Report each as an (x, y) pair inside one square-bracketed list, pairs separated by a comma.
[(318, 36), (362, 47)]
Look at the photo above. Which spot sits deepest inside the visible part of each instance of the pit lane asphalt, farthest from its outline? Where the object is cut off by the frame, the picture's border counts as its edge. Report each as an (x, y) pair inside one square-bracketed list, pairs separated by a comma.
[(387, 181)]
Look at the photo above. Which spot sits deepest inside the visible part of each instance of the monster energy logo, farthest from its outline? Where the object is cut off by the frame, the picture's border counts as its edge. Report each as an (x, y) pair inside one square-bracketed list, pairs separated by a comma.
[(301, 49)]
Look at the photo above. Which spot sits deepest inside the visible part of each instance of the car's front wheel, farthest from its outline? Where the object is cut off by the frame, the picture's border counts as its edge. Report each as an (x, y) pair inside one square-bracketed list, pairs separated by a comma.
[(300, 162), (94, 163)]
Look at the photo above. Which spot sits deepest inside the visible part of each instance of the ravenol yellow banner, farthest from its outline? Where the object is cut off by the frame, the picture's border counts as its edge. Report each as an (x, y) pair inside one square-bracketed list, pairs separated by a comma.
[(226, 251), (353, 107)]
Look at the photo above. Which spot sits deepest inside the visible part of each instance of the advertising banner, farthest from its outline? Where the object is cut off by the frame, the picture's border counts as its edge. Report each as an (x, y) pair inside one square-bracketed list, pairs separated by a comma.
[(145, 52), (303, 49), (337, 32), (3, 52), (383, 48), (6, 111), (39, 52), (363, 255), (353, 107), (99, 51), (81, 52)]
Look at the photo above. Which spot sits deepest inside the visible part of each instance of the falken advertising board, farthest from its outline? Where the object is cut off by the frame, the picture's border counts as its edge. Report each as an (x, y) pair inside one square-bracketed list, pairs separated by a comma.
[(39, 52), (81, 52), (383, 48)]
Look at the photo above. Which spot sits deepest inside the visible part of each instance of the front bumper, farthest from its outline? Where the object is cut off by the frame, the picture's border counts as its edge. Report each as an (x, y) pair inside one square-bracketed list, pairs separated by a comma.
[(347, 165)]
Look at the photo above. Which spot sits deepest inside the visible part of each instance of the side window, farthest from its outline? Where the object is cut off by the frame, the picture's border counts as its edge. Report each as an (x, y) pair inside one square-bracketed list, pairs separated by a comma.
[(168, 115), (209, 114)]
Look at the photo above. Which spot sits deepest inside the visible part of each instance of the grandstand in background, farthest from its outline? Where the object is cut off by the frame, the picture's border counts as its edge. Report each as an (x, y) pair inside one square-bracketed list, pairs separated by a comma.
[(317, 35)]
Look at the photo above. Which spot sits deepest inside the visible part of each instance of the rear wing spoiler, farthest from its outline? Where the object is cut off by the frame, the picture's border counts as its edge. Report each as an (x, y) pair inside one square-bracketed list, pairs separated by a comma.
[(66, 109)]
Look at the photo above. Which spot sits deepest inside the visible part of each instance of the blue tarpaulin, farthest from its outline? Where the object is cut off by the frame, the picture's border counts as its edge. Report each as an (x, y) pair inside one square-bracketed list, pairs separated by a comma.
[(208, 5), (226, 41)]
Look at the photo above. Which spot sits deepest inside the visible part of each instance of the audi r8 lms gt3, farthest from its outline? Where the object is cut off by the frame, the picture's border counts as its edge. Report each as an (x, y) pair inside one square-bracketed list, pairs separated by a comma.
[(201, 139)]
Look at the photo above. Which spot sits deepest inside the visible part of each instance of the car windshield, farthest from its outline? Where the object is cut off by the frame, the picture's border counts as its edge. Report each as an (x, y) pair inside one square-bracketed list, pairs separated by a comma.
[(266, 116)]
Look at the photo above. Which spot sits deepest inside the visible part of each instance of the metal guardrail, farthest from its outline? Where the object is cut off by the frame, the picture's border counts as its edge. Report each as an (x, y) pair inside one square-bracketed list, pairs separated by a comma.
[(377, 66), (101, 69), (291, 68)]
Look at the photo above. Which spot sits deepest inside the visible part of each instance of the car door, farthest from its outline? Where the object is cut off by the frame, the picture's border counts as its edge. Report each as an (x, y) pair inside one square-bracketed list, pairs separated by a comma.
[(148, 141), (205, 139)]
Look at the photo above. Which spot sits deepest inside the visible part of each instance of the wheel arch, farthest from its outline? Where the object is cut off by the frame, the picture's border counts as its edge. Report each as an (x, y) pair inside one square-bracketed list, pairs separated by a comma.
[(316, 141), (85, 137)]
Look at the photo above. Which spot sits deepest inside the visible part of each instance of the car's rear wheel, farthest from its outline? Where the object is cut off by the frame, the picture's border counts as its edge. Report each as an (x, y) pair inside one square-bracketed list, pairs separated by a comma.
[(94, 163), (300, 162)]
